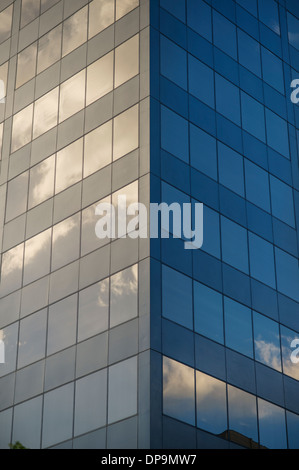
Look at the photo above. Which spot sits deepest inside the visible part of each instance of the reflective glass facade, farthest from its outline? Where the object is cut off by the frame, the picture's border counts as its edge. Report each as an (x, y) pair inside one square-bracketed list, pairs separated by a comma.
[(130, 343), (224, 132), (74, 309)]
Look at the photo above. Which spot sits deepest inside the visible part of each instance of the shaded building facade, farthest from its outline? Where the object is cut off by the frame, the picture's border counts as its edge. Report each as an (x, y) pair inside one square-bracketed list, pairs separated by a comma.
[(137, 342)]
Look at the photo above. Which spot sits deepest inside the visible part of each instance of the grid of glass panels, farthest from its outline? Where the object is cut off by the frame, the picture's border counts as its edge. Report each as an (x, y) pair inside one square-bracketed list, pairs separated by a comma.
[(69, 301), (229, 139)]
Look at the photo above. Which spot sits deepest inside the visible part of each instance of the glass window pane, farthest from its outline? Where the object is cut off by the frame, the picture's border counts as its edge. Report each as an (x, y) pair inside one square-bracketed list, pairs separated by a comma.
[(5, 23), (126, 132), (231, 169), (17, 196), (101, 15), (37, 256), (27, 423), (93, 310), (46, 4), (41, 185), (66, 242), (69, 166), (173, 62), (122, 401), (242, 415), (74, 31), (200, 18), (178, 391), (3, 82), (124, 6), (289, 347), (123, 296), (72, 96), (30, 11), (208, 312), (203, 152), (89, 239), (62, 324), (97, 149), (26, 65), (272, 425), (228, 100), (32, 339), (45, 113), (249, 53), (177, 297), (268, 14), (174, 134), (225, 36), (99, 78), (238, 327), (201, 81), (253, 117), (234, 245), (293, 28), (277, 133), (127, 60), (262, 260), (9, 336), (211, 404), (11, 270), (22, 128), (49, 49), (282, 201), (266, 341), (91, 402), (257, 185), (5, 425), (272, 70), (287, 271), (293, 430), (58, 415)]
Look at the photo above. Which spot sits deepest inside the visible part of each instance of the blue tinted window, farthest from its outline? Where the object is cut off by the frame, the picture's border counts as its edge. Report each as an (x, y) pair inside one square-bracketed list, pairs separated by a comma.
[(174, 134), (289, 352), (199, 18), (177, 8), (277, 133), (257, 186), (249, 53), (253, 117), (178, 391), (211, 404), (266, 341), (177, 297), (272, 70), (282, 201), (268, 13), (272, 425), (261, 260), (238, 327), (234, 245), (203, 152), (242, 413), (211, 232), (208, 312), (228, 99), (293, 27), (201, 81), (173, 62), (293, 430), (287, 270), (225, 36), (231, 171), (249, 5)]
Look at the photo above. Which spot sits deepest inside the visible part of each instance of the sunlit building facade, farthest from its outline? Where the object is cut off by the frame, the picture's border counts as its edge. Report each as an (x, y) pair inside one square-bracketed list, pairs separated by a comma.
[(131, 342)]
